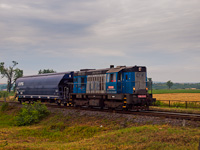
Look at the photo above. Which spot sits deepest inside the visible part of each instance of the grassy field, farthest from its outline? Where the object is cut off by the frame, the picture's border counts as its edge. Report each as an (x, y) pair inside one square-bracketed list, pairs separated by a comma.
[(164, 91), (9, 96), (86, 132)]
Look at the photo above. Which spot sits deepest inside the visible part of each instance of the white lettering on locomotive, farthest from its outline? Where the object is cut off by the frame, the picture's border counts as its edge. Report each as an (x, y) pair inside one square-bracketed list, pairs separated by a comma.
[(20, 83)]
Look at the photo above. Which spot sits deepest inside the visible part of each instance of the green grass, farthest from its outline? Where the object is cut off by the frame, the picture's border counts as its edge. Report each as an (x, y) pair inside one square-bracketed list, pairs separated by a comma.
[(6, 120), (4, 107), (164, 91), (7, 115), (177, 104), (76, 131), (61, 133), (5, 93)]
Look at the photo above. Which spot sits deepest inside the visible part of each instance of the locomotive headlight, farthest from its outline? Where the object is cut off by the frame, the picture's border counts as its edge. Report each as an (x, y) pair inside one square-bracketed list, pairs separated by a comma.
[(147, 89)]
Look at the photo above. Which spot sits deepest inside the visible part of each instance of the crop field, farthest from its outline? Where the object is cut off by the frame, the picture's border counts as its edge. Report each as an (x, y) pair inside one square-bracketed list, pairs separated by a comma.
[(178, 100), (178, 96)]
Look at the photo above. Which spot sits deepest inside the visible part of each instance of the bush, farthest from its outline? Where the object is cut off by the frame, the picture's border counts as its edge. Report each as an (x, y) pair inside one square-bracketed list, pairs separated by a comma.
[(4, 107), (159, 103), (32, 113), (3, 94)]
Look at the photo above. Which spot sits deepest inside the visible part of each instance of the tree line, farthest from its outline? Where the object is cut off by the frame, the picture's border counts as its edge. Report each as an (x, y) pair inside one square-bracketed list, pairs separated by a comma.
[(151, 85), (177, 86)]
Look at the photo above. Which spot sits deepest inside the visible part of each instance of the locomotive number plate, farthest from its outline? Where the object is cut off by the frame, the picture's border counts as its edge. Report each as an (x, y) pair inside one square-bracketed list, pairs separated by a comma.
[(111, 87), (142, 96)]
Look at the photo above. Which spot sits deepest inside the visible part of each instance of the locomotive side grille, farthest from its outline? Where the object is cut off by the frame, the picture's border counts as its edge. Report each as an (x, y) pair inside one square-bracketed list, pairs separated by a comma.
[(96, 83)]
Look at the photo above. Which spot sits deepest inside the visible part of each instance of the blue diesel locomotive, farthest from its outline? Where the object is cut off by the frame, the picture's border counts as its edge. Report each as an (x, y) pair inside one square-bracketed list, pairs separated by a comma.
[(116, 88)]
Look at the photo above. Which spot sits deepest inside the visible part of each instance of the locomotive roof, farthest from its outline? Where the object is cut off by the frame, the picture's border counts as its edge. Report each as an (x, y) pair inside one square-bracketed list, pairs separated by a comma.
[(117, 69), (83, 72), (135, 69), (91, 72)]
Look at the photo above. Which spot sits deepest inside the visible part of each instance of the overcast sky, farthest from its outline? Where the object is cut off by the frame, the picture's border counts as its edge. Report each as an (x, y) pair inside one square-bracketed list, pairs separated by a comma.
[(65, 35)]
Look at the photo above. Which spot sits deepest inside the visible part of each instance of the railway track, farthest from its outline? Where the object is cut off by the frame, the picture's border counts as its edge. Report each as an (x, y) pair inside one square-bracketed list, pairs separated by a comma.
[(163, 114), (173, 115)]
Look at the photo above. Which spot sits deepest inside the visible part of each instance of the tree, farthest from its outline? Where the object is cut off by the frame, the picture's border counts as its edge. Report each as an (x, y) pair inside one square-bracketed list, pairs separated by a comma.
[(11, 74), (46, 71), (170, 84)]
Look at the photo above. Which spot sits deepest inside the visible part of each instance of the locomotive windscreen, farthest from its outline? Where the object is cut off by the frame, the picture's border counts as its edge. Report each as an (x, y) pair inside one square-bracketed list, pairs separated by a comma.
[(140, 80)]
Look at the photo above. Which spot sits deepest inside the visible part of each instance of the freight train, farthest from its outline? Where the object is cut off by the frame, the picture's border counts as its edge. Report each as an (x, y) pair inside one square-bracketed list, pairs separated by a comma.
[(118, 87)]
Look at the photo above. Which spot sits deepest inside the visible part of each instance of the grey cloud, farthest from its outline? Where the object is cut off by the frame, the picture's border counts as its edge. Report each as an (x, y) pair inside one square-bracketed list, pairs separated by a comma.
[(59, 28), (163, 35)]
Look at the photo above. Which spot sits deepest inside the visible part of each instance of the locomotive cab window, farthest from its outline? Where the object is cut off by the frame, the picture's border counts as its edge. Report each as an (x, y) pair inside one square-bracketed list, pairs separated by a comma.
[(82, 81), (112, 77), (119, 77), (108, 76)]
